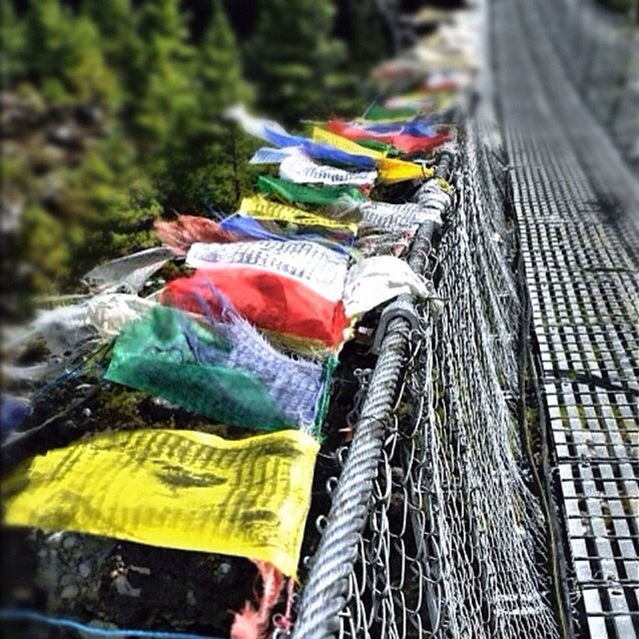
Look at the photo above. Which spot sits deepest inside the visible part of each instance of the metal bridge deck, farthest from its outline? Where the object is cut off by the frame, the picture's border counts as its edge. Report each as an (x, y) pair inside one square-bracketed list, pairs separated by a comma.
[(583, 281)]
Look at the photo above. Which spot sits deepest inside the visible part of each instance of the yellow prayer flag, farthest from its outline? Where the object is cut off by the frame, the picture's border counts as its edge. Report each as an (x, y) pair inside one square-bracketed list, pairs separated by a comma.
[(174, 488), (262, 209), (344, 144), (392, 170)]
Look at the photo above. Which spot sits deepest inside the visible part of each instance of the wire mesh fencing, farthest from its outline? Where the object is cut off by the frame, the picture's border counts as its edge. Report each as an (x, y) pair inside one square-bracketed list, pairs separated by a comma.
[(454, 542)]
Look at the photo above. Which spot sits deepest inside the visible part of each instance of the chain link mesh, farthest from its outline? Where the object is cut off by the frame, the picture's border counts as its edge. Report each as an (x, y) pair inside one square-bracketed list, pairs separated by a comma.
[(454, 545)]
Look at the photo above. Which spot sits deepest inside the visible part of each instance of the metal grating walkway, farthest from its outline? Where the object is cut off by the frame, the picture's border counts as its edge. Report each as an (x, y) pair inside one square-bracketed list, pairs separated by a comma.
[(584, 288)]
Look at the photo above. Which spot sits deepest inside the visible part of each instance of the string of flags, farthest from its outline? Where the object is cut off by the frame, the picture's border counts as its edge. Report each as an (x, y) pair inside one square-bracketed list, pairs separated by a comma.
[(248, 338)]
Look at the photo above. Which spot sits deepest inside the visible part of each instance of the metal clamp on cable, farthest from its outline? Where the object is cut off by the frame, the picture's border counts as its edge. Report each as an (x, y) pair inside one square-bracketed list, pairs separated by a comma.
[(401, 307)]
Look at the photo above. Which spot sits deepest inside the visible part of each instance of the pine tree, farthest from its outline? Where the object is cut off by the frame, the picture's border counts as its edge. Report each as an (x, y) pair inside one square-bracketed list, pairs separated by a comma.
[(295, 62), (219, 67), (63, 56), (11, 45), (159, 75), (143, 105), (367, 41), (116, 22), (207, 164)]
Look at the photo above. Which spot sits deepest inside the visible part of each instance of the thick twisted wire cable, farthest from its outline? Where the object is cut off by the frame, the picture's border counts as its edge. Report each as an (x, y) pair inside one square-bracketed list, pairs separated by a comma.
[(324, 595)]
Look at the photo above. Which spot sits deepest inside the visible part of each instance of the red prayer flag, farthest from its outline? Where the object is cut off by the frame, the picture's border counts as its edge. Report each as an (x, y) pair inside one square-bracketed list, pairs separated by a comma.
[(405, 143), (188, 229), (268, 300)]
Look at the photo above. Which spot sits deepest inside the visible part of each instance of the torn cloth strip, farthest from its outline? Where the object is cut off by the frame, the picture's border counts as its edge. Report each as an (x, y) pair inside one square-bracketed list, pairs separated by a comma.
[(275, 134), (65, 328), (217, 354), (269, 301), (262, 209), (404, 142), (376, 280), (299, 168), (179, 234), (173, 488), (317, 267), (232, 396), (296, 384), (130, 272)]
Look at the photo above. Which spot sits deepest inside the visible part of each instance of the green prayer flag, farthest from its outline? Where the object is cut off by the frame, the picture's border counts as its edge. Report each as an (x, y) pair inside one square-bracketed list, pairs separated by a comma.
[(378, 112), (317, 195)]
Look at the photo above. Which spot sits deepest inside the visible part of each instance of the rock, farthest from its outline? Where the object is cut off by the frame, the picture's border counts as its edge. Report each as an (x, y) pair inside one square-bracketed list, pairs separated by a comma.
[(124, 587), (70, 592), (84, 569), (67, 580), (69, 542)]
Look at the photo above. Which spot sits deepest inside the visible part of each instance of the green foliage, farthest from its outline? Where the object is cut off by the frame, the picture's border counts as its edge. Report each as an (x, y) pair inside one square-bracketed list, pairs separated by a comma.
[(116, 23), (113, 116), (160, 75), (620, 5), (367, 44), (294, 61), (12, 44), (206, 165), (62, 56)]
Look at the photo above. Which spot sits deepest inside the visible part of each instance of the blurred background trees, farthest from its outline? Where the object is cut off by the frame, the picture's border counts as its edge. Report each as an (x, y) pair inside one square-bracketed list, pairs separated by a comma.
[(112, 114)]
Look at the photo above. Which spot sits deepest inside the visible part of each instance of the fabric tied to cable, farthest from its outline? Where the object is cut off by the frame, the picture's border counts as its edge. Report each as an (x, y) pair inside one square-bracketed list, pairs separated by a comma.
[(435, 194), (397, 217), (390, 170), (223, 370), (341, 142), (260, 208), (129, 273), (101, 317), (376, 280), (179, 234), (418, 127), (378, 112), (299, 168), (175, 489), (252, 229), (406, 143), (313, 265), (317, 195), (274, 133), (268, 300)]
